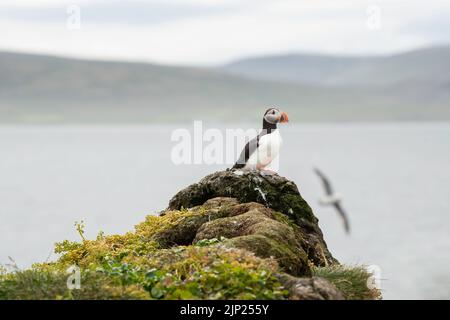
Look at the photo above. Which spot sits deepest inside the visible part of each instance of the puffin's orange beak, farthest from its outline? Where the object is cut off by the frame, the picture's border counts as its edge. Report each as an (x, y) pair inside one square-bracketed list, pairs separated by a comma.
[(284, 117)]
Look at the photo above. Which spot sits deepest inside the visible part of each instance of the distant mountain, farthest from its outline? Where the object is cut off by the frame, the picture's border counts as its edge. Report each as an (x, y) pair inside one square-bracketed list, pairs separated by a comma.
[(429, 66), (45, 89)]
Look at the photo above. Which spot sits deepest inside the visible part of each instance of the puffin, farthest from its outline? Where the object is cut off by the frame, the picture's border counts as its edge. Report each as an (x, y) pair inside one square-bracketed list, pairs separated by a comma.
[(259, 152)]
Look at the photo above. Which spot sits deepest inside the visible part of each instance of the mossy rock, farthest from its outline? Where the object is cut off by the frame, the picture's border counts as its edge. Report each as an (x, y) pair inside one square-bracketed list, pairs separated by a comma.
[(272, 191), (258, 231), (250, 226)]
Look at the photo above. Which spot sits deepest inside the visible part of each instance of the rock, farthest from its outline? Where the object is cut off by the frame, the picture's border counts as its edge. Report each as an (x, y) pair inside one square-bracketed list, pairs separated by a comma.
[(255, 228), (184, 231), (314, 288), (250, 226), (272, 191)]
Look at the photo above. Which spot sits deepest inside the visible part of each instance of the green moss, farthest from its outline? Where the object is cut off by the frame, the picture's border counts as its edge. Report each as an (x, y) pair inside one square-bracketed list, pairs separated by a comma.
[(179, 227), (116, 248), (284, 219), (216, 272), (209, 242), (264, 236), (351, 281), (290, 261), (175, 227), (178, 273), (295, 207)]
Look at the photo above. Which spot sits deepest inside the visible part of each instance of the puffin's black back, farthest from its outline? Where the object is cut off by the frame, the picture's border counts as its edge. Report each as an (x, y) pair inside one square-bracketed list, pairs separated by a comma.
[(253, 144)]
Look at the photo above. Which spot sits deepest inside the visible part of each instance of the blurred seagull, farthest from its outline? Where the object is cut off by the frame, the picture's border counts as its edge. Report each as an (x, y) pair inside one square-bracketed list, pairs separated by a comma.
[(332, 199)]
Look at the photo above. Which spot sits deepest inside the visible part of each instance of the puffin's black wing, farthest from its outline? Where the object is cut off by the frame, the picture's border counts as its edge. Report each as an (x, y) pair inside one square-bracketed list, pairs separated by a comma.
[(248, 150), (343, 216), (325, 181)]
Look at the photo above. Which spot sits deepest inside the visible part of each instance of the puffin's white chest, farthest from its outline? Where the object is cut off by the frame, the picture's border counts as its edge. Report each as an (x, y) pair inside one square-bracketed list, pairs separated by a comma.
[(267, 151)]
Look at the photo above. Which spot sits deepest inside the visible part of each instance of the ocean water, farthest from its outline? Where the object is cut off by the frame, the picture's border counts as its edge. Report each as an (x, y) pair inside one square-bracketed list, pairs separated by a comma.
[(394, 178)]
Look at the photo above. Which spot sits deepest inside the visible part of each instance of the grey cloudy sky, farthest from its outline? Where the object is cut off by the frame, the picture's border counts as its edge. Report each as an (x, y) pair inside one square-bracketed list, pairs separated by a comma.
[(206, 32)]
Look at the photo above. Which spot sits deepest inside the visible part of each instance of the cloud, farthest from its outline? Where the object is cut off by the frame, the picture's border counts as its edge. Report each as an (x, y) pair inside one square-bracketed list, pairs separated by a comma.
[(214, 31), (114, 11), (432, 27)]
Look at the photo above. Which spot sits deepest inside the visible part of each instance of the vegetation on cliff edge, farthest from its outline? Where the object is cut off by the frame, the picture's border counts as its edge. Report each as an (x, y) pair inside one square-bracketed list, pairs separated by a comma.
[(221, 248), (134, 266)]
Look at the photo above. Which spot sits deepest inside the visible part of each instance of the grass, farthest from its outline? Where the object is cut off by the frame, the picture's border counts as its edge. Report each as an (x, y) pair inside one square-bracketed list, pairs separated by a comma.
[(352, 281)]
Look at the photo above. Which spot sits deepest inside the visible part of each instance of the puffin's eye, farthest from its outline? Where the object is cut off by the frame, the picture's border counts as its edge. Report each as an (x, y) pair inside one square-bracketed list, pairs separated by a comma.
[(273, 111)]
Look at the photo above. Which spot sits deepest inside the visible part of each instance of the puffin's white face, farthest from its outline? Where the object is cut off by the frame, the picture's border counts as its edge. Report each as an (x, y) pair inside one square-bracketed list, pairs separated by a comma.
[(274, 116)]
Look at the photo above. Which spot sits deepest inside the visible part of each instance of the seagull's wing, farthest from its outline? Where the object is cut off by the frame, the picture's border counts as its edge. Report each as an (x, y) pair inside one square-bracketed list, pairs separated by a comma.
[(325, 181), (343, 215), (248, 150)]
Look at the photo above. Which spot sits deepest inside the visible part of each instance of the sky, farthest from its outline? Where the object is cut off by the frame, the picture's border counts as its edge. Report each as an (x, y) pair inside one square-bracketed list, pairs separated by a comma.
[(212, 32)]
